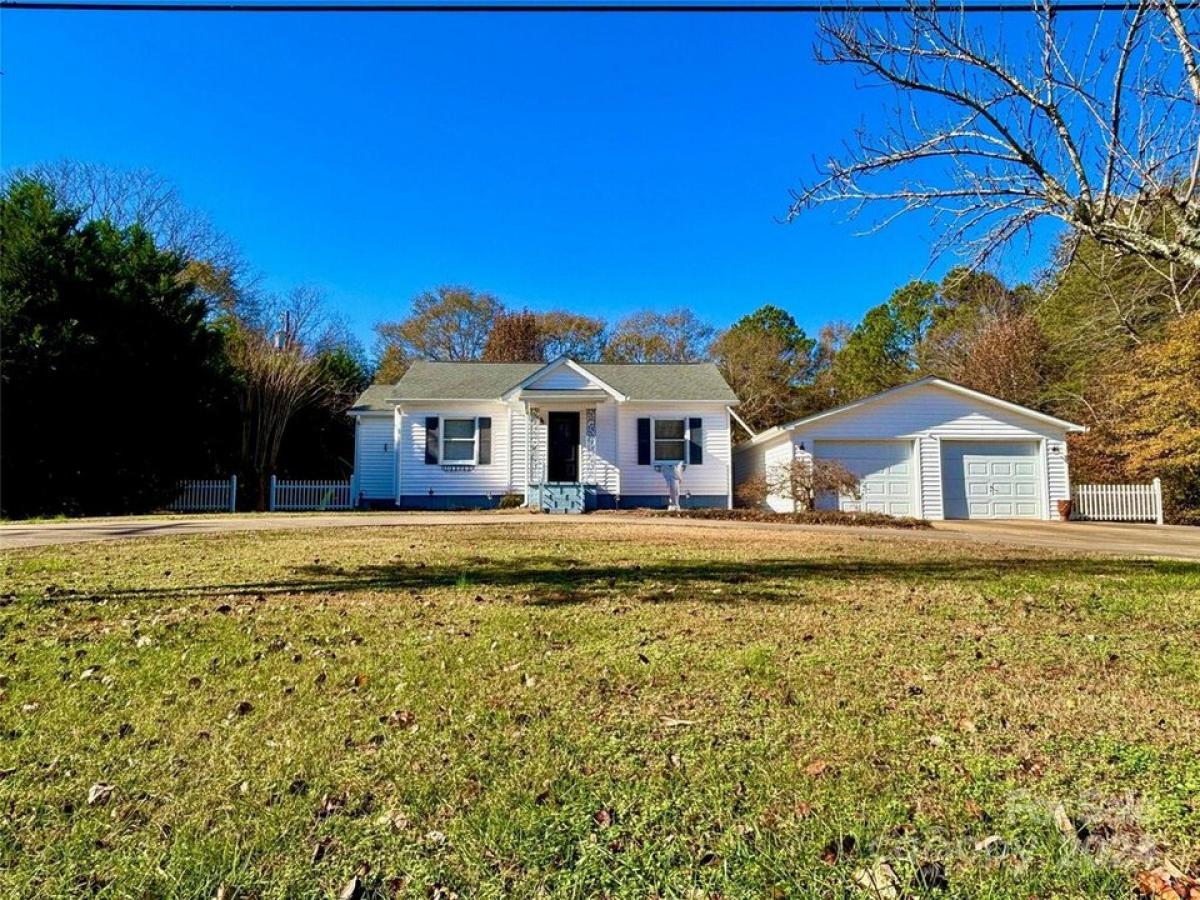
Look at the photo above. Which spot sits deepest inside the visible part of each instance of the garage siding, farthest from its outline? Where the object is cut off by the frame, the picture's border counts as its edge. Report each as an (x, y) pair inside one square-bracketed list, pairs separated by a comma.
[(929, 504), (931, 413)]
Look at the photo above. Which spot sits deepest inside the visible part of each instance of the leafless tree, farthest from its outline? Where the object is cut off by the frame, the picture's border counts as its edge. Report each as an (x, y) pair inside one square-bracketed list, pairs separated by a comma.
[(140, 196), (1098, 129)]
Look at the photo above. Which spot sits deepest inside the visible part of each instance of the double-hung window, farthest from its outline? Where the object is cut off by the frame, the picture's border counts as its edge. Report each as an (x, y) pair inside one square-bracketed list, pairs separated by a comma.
[(460, 443), (670, 440)]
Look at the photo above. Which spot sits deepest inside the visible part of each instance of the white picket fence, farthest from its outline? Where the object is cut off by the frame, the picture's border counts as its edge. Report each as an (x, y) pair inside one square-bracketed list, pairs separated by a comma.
[(308, 495), (206, 495), (1118, 502)]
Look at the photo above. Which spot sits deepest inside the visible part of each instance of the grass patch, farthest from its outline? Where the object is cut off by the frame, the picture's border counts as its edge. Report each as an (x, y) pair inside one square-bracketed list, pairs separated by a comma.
[(611, 710)]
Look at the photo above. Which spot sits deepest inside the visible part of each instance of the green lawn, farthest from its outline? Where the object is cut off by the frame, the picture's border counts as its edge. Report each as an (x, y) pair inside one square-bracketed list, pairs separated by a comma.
[(619, 711)]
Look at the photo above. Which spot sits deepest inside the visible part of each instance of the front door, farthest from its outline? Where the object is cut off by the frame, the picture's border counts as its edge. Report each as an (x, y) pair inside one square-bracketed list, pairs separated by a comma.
[(562, 461)]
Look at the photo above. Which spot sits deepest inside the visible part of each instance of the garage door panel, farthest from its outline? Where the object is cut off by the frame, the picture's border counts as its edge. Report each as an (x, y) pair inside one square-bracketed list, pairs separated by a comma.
[(990, 480), (885, 471)]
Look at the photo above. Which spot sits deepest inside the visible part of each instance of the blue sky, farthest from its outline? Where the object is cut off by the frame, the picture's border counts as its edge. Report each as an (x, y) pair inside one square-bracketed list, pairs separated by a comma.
[(599, 163)]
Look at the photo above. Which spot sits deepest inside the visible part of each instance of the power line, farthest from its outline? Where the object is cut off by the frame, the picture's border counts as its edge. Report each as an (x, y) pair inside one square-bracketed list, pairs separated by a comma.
[(553, 6)]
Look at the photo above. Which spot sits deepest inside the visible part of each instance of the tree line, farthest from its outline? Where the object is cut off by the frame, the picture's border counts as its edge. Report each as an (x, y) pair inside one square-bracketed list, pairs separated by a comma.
[(139, 350)]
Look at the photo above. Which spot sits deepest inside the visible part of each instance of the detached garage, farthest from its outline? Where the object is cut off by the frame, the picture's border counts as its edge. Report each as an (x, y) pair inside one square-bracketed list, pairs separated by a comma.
[(932, 449)]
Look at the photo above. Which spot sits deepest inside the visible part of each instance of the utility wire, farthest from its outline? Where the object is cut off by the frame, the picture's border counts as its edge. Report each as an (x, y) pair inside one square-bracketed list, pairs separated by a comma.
[(555, 6)]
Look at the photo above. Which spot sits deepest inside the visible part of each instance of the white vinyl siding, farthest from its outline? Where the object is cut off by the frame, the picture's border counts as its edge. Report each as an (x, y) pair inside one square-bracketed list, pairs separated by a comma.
[(709, 478), (375, 457), (776, 460), (517, 429), (448, 478), (564, 378)]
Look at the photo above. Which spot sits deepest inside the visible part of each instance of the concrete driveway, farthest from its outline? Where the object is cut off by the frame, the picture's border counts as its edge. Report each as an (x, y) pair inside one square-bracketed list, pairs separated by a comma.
[(1122, 539)]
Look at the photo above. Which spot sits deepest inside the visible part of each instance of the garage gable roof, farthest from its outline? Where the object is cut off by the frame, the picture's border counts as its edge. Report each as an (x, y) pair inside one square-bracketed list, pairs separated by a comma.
[(927, 381)]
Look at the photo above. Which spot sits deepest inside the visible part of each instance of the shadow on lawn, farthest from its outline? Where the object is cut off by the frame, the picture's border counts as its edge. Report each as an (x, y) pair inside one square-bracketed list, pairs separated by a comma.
[(553, 579)]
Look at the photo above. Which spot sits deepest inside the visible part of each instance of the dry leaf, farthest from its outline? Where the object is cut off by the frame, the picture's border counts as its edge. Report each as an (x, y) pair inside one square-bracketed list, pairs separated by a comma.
[(1064, 824), (879, 881), (816, 768), (603, 818), (1167, 883), (99, 793), (353, 889), (677, 723)]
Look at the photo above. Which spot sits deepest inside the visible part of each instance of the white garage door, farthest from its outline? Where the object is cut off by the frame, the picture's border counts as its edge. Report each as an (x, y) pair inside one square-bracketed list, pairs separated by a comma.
[(991, 480), (885, 470)]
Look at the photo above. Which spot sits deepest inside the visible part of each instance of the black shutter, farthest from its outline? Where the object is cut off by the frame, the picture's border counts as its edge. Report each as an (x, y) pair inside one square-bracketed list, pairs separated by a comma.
[(695, 441), (431, 440), (484, 425), (643, 442)]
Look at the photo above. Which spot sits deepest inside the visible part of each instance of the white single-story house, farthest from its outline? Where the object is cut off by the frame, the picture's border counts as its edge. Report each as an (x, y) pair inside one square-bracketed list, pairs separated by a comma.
[(931, 449), (564, 436)]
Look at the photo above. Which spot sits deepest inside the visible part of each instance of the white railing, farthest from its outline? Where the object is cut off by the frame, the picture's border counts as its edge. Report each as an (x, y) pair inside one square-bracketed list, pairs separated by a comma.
[(1118, 502), (206, 495), (307, 495)]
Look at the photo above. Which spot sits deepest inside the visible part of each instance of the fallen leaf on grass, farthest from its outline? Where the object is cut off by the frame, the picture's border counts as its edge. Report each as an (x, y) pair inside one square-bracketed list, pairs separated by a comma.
[(1167, 883), (816, 768), (401, 718), (1064, 824), (677, 723), (603, 818), (353, 889), (879, 881), (99, 793)]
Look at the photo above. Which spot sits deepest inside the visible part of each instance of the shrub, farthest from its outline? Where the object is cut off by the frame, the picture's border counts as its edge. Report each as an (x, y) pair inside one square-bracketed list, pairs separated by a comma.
[(510, 501), (751, 493), (804, 517), (805, 479)]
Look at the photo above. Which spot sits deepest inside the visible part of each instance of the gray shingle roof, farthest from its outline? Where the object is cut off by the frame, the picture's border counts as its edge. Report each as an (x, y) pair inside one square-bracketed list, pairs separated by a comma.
[(668, 381), (488, 381)]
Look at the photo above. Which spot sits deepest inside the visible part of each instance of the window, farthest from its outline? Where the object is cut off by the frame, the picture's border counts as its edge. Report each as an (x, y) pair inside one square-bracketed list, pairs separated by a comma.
[(670, 440), (458, 441)]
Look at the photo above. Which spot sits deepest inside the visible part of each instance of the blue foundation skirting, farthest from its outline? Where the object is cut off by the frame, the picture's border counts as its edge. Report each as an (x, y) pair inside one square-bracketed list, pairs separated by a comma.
[(594, 499)]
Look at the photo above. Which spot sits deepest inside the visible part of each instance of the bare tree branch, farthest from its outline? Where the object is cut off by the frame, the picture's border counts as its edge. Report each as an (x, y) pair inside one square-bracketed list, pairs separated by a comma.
[(1100, 132)]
